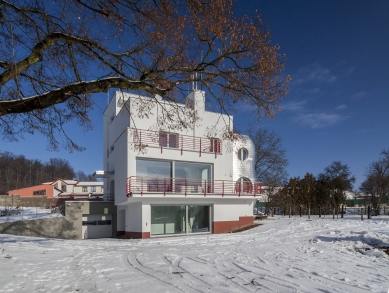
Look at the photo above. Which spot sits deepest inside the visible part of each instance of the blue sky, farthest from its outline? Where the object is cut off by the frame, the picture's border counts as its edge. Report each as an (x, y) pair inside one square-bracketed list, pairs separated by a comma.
[(337, 107)]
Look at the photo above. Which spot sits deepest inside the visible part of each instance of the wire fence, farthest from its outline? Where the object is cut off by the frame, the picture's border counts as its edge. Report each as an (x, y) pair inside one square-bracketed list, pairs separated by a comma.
[(320, 211)]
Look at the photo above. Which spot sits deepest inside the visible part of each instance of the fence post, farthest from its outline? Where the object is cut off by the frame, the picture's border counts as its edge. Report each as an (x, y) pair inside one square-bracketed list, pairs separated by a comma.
[(272, 212), (361, 214), (309, 212), (300, 211), (319, 211), (333, 213), (342, 212), (368, 212), (290, 211)]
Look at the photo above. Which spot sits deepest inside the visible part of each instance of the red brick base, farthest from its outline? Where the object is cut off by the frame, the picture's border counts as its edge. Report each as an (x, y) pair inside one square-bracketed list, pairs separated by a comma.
[(137, 235), (228, 226)]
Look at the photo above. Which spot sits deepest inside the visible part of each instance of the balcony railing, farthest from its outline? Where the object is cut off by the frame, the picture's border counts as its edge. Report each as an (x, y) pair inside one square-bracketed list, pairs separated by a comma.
[(168, 140), (161, 185)]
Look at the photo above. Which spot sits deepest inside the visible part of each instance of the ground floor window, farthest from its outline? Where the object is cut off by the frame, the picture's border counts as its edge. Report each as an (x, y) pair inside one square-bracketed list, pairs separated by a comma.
[(182, 219)]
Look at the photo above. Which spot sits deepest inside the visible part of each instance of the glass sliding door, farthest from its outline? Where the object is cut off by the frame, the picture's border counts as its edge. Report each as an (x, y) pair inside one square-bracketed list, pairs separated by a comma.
[(183, 219), (168, 220), (198, 219)]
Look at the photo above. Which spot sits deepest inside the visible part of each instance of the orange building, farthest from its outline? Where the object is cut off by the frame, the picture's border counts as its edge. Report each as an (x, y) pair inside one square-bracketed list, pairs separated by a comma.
[(38, 190)]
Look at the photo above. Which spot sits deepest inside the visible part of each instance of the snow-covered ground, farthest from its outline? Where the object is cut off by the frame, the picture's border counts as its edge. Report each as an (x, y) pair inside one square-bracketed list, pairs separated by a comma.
[(282, 255), (26, 213)]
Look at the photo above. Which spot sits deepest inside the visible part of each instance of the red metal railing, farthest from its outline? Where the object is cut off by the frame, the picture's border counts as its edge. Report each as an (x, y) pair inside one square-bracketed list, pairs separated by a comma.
[(162, 185), (176, 141)]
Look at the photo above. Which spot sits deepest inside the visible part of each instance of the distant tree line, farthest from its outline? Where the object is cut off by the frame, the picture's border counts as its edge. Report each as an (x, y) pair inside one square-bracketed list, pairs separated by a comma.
[(16, 171), (328, 189)]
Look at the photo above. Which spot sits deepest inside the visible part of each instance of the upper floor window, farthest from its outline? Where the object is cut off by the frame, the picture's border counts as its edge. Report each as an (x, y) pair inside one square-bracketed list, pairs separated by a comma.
[(93, 188), (84, 189), (243, 154), (215, 145), (168, 140), (63, 187)]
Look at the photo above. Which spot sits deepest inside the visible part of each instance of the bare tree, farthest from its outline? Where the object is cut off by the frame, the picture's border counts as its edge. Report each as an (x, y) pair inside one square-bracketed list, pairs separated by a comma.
[(308, 190), (337, 179), (57, 54), (376, 184), (81, 176), (270, 157)]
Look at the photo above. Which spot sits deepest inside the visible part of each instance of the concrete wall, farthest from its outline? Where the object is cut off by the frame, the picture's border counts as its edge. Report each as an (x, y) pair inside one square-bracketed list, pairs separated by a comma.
[(32, 201), (67, 227)]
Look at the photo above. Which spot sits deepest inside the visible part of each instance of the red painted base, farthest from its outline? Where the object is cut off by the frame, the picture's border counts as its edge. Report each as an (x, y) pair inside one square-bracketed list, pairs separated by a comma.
[(228, 226), (120, 233), (137, 235)]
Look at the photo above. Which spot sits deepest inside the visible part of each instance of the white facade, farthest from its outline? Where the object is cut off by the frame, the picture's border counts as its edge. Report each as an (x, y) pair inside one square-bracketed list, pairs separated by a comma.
[(185, 181)]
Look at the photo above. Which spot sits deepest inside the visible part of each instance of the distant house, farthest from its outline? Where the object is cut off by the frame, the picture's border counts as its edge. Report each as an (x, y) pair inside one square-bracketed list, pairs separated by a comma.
[(63, 188)]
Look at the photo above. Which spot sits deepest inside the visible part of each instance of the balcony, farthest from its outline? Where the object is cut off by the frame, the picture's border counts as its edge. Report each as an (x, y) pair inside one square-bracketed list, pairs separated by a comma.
[(168, 140), (189, 186)]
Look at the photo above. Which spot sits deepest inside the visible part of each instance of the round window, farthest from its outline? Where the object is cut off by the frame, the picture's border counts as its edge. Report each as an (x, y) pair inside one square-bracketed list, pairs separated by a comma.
[(243, 154)]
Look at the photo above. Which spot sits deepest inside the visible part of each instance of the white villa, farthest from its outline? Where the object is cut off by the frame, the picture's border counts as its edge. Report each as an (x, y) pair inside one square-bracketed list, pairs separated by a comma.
[(183, 182)]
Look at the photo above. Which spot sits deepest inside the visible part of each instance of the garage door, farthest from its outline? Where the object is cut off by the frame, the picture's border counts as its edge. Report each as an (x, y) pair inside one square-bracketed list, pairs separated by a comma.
[(96, 226)]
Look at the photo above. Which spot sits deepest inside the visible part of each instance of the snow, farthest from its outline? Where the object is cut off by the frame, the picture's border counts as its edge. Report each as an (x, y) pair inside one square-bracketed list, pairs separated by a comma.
[(27, 213), (282, 255)]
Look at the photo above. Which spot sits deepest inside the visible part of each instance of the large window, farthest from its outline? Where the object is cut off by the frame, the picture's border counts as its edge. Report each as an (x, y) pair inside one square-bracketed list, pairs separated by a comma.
[(168, 220), (157, 176), (153, 169), (194, 177), (156, 168)]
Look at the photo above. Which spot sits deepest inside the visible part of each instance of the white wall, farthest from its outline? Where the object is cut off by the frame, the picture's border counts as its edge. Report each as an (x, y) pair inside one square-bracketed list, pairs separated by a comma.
[(233, 209), (133, 217), (244, 168)]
